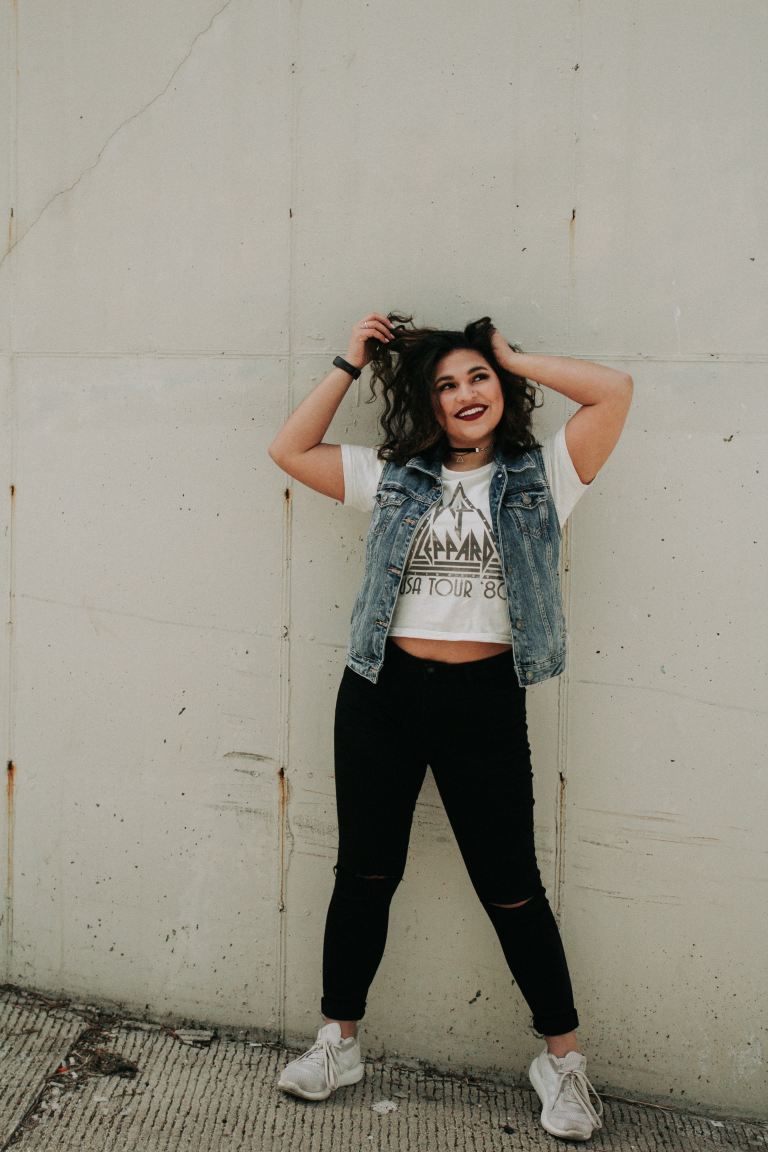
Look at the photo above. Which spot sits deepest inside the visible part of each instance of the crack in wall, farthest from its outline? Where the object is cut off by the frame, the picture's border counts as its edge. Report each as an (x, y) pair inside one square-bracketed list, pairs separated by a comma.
[(123, 124), (671, 692)]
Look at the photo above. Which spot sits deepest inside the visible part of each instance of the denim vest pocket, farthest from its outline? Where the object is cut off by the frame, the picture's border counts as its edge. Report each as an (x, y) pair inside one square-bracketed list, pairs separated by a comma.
[(530, 509), (386, 502)]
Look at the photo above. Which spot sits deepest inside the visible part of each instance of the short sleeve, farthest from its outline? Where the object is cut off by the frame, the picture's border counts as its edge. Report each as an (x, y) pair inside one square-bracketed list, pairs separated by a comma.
[(564, 481), (362, 472)]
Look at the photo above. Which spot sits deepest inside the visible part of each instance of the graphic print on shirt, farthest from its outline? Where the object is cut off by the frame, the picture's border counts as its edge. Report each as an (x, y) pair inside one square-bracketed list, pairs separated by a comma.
[(454, 554)]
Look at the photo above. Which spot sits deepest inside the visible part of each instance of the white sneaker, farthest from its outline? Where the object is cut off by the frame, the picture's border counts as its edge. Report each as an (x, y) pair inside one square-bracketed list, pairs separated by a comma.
[(563, 1088), (329, 1064)]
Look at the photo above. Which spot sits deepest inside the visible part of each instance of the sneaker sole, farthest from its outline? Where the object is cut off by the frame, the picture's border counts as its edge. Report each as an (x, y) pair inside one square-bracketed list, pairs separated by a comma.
[(535, 1078), (354, 1076)]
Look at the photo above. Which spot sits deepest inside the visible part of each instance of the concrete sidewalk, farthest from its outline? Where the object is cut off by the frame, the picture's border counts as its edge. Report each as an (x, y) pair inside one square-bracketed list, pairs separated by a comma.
[(73, 1077)]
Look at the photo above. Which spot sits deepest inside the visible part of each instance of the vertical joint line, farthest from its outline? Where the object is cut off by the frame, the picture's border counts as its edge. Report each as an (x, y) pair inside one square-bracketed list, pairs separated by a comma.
[(10, 19), (293, 44), (10, 772), (562, 731)]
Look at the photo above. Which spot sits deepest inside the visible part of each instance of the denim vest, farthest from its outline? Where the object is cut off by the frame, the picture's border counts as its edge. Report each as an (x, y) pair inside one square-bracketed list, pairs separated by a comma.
[(527, 534)]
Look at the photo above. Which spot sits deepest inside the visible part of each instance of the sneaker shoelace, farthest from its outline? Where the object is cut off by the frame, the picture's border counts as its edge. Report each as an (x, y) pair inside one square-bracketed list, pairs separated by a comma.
[(323, 1052), (575, 1086)]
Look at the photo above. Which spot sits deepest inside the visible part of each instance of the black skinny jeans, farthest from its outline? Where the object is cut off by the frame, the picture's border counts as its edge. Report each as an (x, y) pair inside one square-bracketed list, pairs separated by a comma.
[(468, 722)]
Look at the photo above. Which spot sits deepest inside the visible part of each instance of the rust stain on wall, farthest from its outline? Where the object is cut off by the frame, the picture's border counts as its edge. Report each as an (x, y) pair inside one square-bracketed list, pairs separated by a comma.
[(560, 856), (283, 796), (572, 249), (10, 767), (10, 790)]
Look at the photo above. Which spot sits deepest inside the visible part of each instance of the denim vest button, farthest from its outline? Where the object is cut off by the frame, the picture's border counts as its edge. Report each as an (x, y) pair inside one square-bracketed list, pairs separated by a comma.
[(518, 623), (526, 498)]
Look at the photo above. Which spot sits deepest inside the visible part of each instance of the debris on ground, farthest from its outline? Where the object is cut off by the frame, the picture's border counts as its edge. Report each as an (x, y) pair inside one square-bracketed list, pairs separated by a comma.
[(199, 1037), (87, 1057), (384, 1106)]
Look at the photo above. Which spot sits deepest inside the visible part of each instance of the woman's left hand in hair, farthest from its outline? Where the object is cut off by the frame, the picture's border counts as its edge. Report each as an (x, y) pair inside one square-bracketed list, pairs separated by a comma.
[(501, 348)]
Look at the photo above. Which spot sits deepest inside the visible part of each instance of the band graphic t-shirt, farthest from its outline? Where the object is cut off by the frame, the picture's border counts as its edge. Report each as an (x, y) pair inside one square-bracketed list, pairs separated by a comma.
[(452, 587), (452, 580)]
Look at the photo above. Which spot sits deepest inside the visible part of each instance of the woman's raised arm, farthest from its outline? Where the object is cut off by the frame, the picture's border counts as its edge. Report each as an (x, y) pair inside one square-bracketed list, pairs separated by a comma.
[(298, 447), (604, 393)]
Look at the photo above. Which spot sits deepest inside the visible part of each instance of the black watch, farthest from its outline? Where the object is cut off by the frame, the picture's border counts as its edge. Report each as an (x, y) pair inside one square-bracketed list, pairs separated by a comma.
[(340, 362)]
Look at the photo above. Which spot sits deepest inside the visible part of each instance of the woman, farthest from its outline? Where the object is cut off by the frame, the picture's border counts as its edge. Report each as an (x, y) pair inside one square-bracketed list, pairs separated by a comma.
[(459, 612)]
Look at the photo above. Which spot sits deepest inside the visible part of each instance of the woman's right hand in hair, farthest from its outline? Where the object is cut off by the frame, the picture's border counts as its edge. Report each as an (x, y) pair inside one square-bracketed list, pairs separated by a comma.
[(374, 326), (299, 448)]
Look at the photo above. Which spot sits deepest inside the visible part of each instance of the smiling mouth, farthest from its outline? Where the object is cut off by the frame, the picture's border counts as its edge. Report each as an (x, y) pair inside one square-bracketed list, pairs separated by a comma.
[(472, 413)]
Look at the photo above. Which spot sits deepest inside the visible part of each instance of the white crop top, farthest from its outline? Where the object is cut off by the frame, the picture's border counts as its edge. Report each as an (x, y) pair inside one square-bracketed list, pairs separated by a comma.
[(452, 587)]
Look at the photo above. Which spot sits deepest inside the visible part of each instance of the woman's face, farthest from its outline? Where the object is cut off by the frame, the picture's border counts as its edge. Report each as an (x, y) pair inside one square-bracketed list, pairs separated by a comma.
[(467, 398)]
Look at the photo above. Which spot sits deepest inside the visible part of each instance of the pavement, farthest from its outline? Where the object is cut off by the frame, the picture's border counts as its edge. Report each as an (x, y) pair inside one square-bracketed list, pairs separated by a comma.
[(75, 1077)]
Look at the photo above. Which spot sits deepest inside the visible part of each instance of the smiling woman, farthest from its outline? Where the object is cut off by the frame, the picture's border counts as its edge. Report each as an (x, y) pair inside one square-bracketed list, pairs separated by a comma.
[(421, 371), (467, 393), (460, 600)]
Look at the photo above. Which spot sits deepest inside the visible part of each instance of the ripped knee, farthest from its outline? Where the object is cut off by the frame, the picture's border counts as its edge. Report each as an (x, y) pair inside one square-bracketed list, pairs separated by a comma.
[(533, 901), (365, 886), (519, 903)]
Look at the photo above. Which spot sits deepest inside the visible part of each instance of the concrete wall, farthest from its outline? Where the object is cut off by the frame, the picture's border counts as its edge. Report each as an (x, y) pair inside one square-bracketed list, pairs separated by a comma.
[(200, 198)]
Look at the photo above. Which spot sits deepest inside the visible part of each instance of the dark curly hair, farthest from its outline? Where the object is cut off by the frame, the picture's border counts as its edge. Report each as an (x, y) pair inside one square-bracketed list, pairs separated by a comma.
[(405, 369)]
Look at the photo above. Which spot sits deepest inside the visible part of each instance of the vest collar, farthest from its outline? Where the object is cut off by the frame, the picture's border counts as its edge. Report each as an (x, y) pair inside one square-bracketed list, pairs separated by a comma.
[(431, 461)]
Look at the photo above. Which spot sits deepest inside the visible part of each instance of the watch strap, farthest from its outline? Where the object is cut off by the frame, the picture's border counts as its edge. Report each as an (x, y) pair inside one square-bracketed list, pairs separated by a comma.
[(340, 362)]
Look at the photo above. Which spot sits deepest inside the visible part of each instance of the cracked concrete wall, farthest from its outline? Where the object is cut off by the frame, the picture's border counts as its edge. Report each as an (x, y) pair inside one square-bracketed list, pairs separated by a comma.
[(194, 219)]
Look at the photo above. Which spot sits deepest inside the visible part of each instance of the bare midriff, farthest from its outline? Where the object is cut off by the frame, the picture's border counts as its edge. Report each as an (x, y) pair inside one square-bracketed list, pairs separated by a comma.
[(449, 651)]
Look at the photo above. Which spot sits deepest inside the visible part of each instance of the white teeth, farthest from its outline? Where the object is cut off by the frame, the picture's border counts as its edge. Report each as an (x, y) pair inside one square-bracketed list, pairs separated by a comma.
[(470, 411)]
